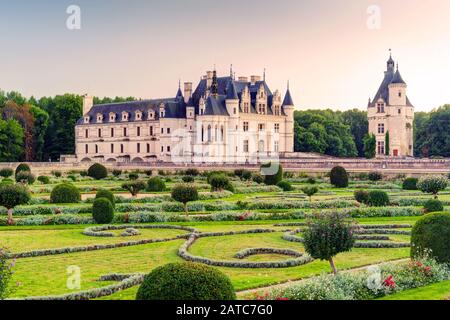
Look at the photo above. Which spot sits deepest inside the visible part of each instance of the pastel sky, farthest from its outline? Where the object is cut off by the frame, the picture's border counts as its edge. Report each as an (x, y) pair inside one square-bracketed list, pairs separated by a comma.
[(142, 47)]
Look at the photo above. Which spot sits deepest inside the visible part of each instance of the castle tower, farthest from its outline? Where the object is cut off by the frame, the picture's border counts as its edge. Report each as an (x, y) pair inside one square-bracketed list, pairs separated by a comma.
[(391, 116), (288, 108)]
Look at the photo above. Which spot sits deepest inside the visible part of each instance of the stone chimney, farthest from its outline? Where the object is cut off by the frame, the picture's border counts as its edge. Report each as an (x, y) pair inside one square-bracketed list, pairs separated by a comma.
[(187, 91), (88, 103), (254, 79), (243, 79), (209, 77)]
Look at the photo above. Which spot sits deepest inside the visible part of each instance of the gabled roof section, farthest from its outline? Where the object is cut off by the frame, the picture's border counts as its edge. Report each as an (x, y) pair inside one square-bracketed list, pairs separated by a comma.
[(232, 92), (397, 79), (216, 106), (288, 99)]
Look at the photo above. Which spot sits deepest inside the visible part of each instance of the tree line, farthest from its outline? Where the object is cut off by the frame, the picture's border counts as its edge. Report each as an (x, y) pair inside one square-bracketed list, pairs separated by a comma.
[(43, 129)]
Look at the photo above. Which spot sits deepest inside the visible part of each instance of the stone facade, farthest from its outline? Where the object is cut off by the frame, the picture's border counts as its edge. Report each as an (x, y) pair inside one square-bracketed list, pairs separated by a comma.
[(223, 121), (391, 116)]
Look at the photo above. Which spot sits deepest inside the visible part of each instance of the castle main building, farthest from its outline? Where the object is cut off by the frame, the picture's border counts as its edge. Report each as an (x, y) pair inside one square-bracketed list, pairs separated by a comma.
[(391, 116), (224, 121)]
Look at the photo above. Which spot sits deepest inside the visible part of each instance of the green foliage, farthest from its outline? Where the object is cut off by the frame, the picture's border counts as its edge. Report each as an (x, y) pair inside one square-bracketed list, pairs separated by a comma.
[(6, 273), (432, 232), (375, 176), (324, 131), (13, 195), (327, 235), (41, 123), (65, 193), (387, 143), (378, 198), (410, 184), (133, 176), (272, 172), (311, 180), (310, 191), (103, 193), (57, 174), (148, 173), (97, 171), (23, 167), (362, 196), (370, 144), (220, 182), (25, 177), (184, 193), (433, 205), (11, 141), (359, 126), (44, 179), (188, 179), (243, 174), (186, 281), (192, 172), (116, 172), (102, 211), (432, 184), (6, 172), (6, 181), (285, 185), (156, 184), (134, 187), (257, 178), (432, 133), (339, 177)]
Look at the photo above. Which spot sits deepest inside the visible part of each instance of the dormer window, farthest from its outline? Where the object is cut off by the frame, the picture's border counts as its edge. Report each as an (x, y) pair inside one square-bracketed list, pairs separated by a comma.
[(151, 115), (162, 113), (262, 108), (138, 115), (112, 117), (277, 110), (380, 107), (86, 119), (99, 118), (124, 116)]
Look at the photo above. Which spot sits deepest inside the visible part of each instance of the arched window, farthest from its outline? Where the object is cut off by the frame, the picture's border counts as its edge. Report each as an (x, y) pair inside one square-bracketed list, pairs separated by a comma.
[(96, 148)]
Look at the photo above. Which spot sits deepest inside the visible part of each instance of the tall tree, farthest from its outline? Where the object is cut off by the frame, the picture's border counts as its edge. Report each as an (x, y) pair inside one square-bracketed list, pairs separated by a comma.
[(41, 122), (359, 126), (388, 143), (370, 146), (11, 141)]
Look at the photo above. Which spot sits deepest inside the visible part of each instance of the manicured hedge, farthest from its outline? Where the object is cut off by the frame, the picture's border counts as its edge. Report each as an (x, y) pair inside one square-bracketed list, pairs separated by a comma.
[(103, 193), (339, 177), (65, 193), (156, 184), (102, 211), (97, 171)]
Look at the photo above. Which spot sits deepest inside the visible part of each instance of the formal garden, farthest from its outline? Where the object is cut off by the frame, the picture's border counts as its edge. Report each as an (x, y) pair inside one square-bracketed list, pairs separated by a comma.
[(100, 234)]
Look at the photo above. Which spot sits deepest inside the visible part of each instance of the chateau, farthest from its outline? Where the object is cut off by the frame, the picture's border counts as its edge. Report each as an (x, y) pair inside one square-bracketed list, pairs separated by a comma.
[(391, 116), (223, 120)]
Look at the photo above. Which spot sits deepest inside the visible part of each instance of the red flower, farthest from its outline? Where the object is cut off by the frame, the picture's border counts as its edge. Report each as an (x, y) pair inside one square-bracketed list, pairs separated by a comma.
[(282, 299), (389, 282)]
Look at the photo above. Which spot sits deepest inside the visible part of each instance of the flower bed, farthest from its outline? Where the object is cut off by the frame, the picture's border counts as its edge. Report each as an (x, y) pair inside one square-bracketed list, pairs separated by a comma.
[(256, 251)]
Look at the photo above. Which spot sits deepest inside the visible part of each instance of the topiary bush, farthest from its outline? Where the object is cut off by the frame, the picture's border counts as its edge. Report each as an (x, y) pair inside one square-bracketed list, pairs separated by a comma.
[(25, 177), (220, 182), (103, 193), (310, 191), (134, 187), (188, 179), (6, 172), (432, 184), (57, 174), (410, 184), (378, 198), (272, 173), (117, 173), (246, 175), (186, 281), (285, 185), (339, 177), (133, 176), (362, 196), (192, 172), (432, 232), (6, 181), (97, 171), (257, 178), (44, 179), (102, 211), (433, 205), (13, 195), (184, 193), (65, 193), (156, 184), (375, 176), (23, 167)]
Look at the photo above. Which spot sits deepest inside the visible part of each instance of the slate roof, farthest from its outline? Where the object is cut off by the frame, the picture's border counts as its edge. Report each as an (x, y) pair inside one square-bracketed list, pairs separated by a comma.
[(383, 92), (288, 99), (175, 107)]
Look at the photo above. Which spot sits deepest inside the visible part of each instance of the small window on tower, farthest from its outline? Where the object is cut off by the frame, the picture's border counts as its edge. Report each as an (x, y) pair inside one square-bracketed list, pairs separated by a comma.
[(399, 111), (399, 94)]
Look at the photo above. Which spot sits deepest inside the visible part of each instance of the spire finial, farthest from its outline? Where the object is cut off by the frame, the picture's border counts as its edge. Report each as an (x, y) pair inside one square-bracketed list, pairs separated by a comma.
[(231, 71), (264, 75), (179, 84), (288, 83)]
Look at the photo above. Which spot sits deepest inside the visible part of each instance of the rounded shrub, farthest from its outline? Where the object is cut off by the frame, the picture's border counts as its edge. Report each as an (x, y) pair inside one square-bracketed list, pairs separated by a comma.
[(184, 193), (156, 184), (362, 196), (44, 179), (219, 182), (375, 176), (134, 187), (285, 185), (433, 205), (97, 171), (23, 167), (6, 182), (186, 281), (378, 198), (339, 177), (188, 179), (57, 174), (272, 172), (410, 184), (192, 172), (432, 233), (432, 184), (116, 172), (102, 211), (133, 176), (103, 193), (246, 175), (311, 180), (65, 193), (6, 172), (13, 195), (257, 178), (25, 177)]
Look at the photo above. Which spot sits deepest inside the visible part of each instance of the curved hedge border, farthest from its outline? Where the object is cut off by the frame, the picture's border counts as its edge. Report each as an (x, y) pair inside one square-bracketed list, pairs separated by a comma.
[(256, 251), (184, 253), (99, 231), (126, 282)]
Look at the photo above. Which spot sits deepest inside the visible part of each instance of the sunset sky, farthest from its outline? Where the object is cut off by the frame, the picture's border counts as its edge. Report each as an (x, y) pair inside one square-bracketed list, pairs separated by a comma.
[(142, 47)]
